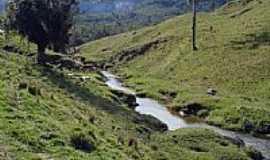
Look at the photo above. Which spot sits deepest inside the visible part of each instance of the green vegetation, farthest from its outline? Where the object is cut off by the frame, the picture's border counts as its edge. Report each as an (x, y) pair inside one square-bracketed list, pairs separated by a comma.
[(45, 23), (109, 17), (233, 59), (48, 113)]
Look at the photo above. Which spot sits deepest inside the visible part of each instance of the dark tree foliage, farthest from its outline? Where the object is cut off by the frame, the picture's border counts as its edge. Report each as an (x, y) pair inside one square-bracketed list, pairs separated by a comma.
[(46, 23)]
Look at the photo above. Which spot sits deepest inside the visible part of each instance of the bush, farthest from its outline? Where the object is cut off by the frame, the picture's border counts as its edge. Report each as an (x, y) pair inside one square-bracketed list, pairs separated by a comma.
[(82, 142)]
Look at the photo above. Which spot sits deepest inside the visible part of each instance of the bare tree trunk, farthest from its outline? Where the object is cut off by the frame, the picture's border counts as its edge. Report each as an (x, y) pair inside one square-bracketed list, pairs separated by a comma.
[(194, 17), (213, 5)]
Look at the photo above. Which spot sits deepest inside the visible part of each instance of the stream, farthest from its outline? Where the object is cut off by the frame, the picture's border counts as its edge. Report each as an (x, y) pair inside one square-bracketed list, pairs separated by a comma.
[(151, 107)]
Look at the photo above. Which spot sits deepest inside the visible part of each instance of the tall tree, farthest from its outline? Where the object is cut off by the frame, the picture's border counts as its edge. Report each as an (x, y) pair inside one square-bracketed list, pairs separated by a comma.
[(194, 21), (46, 23)]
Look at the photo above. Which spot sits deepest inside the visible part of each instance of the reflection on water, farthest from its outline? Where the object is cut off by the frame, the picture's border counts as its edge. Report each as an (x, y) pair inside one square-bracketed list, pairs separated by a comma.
[(151, 107)]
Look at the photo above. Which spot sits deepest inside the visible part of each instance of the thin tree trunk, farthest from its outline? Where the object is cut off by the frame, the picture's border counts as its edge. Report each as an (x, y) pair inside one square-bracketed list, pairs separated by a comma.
[(41, 57), (194, 25)]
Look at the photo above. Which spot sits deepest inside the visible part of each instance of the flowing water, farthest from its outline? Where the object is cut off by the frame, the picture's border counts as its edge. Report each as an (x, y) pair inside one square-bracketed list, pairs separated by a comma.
[(151, 107)]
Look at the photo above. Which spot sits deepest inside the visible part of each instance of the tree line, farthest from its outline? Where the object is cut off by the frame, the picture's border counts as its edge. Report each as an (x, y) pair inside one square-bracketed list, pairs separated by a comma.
[(49, 23)]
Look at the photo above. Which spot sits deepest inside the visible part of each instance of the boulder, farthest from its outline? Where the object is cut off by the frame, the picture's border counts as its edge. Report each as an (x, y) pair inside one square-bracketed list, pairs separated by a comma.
[(192, 108), (129, 99), (263, 129), (211, 92), (236, 141), (182, 114), (248, 126), (151, 122)]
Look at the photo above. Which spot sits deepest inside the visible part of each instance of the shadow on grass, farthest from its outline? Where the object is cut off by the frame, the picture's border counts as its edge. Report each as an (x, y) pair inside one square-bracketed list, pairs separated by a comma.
[(253, 41), (81, 93), (86, 96)]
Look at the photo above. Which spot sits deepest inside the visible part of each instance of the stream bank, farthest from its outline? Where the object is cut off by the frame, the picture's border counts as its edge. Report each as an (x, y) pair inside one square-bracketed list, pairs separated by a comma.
[(147, 106)]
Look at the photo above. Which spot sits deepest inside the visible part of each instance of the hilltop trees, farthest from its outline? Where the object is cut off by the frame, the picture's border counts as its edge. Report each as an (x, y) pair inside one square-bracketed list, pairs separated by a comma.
[(46, 23)]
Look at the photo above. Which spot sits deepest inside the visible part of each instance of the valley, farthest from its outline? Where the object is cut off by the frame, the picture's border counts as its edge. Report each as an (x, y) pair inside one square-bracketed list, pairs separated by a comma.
[(138, 92), (158, 62)]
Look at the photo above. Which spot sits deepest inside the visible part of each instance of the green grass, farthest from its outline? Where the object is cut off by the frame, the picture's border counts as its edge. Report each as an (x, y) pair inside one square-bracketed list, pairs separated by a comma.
[(33, 125), (233, 58), (202, 143), (45, 114)]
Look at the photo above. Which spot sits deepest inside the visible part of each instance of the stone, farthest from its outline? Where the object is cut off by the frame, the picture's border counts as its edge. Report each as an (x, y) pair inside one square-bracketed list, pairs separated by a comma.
[(151, 122), (192, 108), (182, 114), (236, 141), (263, 129), (248, 126), (22, 85), (211, 92), (131, 100), (127, 98)]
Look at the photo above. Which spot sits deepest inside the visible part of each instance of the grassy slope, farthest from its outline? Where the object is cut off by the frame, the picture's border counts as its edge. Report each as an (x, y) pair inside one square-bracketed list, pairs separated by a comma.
[(42, 110), (233, 58)]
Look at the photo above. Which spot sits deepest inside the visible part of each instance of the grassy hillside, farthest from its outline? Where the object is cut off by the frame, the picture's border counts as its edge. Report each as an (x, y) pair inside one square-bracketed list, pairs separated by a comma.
[(109, 17), (233, 59), (48, 113)]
